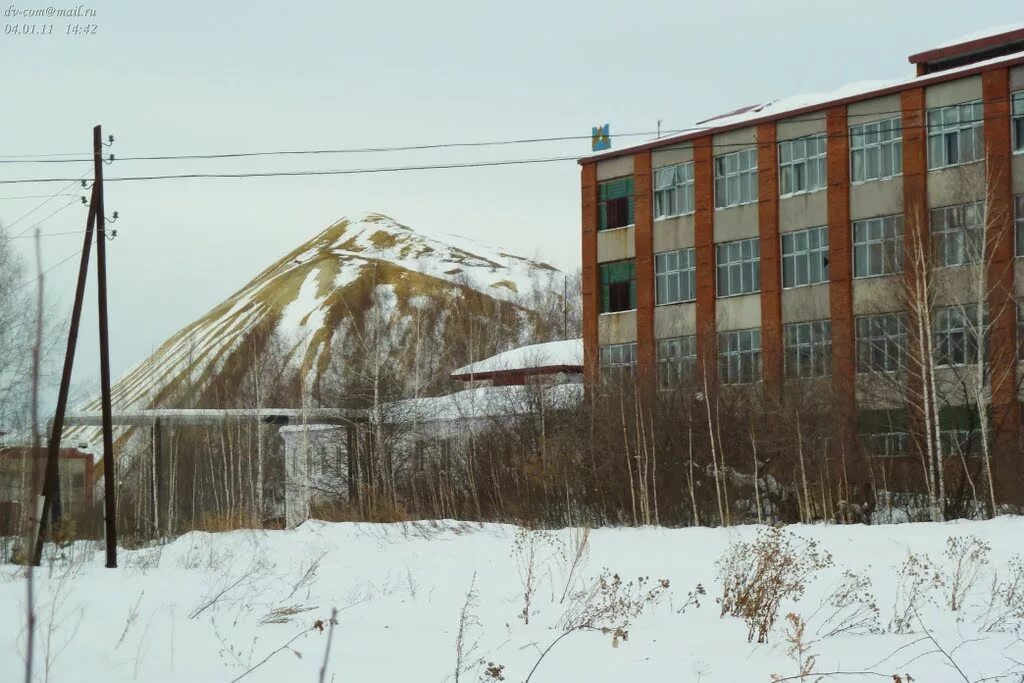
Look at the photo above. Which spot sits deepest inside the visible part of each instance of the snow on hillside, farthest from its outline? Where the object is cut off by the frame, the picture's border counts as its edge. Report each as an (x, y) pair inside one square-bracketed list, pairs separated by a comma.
[(214, 607), (311, 292)]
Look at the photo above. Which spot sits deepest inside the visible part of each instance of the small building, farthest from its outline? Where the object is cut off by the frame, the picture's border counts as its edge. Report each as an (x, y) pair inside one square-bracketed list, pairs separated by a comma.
[(18, 465)]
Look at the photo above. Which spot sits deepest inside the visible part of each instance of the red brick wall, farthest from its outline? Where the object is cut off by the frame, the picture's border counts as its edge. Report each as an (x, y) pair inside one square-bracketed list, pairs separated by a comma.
[(840, 259), (915, 172), (591, 294), (704, 247), (916, 235), (999, 252), (771, 265), (644, 246)]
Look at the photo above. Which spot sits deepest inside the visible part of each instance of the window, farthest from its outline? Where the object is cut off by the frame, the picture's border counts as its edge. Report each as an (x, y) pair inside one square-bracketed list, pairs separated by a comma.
[(615, 203), (1018, 121), (739, 357), (739, 267), (736, 178), (808, 348), (805, 257), (878, 246), (876, 150), (673, 190), (955, 135), (802, 165), (881, 342), (617, 361), (1020, 332), (677, 361), (959, 430), (958, 234), (957, 335), (618, 286), (1019, 211), (675, 276), (883, 432)]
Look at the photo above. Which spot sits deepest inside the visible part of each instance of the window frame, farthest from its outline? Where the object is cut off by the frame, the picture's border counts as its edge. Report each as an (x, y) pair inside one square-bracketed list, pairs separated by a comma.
[(973, 345), (942, 231), (899, 340), (747, 359), (807, 254), (793, 167), (816, 346), (630, 197), (1018, 221), (743, 268), (601, 269), (679, 364), (681, 187), (1017, 121), (745, 178), (945, 127), (865, 244), (686, 276), (892, 147), (624, 366)]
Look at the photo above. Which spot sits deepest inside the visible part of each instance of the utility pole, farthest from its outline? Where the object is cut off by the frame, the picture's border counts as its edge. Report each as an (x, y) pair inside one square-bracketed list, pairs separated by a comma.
[(51, 503), (109, 483), (96, 222)]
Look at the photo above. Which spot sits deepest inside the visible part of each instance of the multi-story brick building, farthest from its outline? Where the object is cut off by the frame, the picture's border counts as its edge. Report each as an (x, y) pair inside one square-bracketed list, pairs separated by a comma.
[(771, 242)]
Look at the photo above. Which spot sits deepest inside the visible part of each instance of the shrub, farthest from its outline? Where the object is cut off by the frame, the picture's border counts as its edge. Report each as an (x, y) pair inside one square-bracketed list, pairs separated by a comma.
[(757, 576)]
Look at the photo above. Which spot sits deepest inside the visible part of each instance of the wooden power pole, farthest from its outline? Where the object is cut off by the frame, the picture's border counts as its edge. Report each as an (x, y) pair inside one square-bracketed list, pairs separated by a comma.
[(51, 503), (109, 483)]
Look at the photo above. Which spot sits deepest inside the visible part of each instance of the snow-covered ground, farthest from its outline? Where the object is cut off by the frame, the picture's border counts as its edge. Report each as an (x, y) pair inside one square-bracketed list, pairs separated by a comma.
[(212, 607)]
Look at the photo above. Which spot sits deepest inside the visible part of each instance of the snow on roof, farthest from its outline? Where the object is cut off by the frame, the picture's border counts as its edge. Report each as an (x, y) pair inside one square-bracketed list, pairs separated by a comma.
[(568, 352), (802, 103), (483, 402), (982, 33), (799, 101)]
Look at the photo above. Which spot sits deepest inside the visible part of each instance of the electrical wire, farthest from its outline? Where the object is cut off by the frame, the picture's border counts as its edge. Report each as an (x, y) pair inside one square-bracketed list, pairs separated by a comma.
[(326, 172), (49, 198), (423, 167), (37, 196), (351, 150), (22, 234), (704, 126), (52, 268)]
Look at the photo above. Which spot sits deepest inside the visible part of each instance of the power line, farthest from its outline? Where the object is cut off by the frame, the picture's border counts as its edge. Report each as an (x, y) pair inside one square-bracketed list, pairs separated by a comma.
[(454, 165), (705, 126), (327, 172), (46, 234), (37, 196), (49, 198), (351, 150), (52, 268), (38, 223)]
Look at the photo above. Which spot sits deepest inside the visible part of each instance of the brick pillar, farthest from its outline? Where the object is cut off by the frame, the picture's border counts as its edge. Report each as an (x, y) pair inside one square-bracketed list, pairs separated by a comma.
[(916, 236), (643, 215), (771, 263), (704, 247), (591, 290), (999, 258), (840, 265)]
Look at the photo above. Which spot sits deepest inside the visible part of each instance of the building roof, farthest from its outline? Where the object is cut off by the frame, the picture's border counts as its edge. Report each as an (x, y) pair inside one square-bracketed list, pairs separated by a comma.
[(978, 41), (796, 105), (549, 357)]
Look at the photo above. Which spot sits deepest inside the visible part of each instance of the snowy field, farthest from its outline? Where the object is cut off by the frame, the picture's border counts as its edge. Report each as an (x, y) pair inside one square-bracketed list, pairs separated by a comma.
[(250, 606)]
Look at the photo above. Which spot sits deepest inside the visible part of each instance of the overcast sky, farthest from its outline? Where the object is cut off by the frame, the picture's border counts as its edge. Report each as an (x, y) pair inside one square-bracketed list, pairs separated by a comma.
[(202, 76)]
